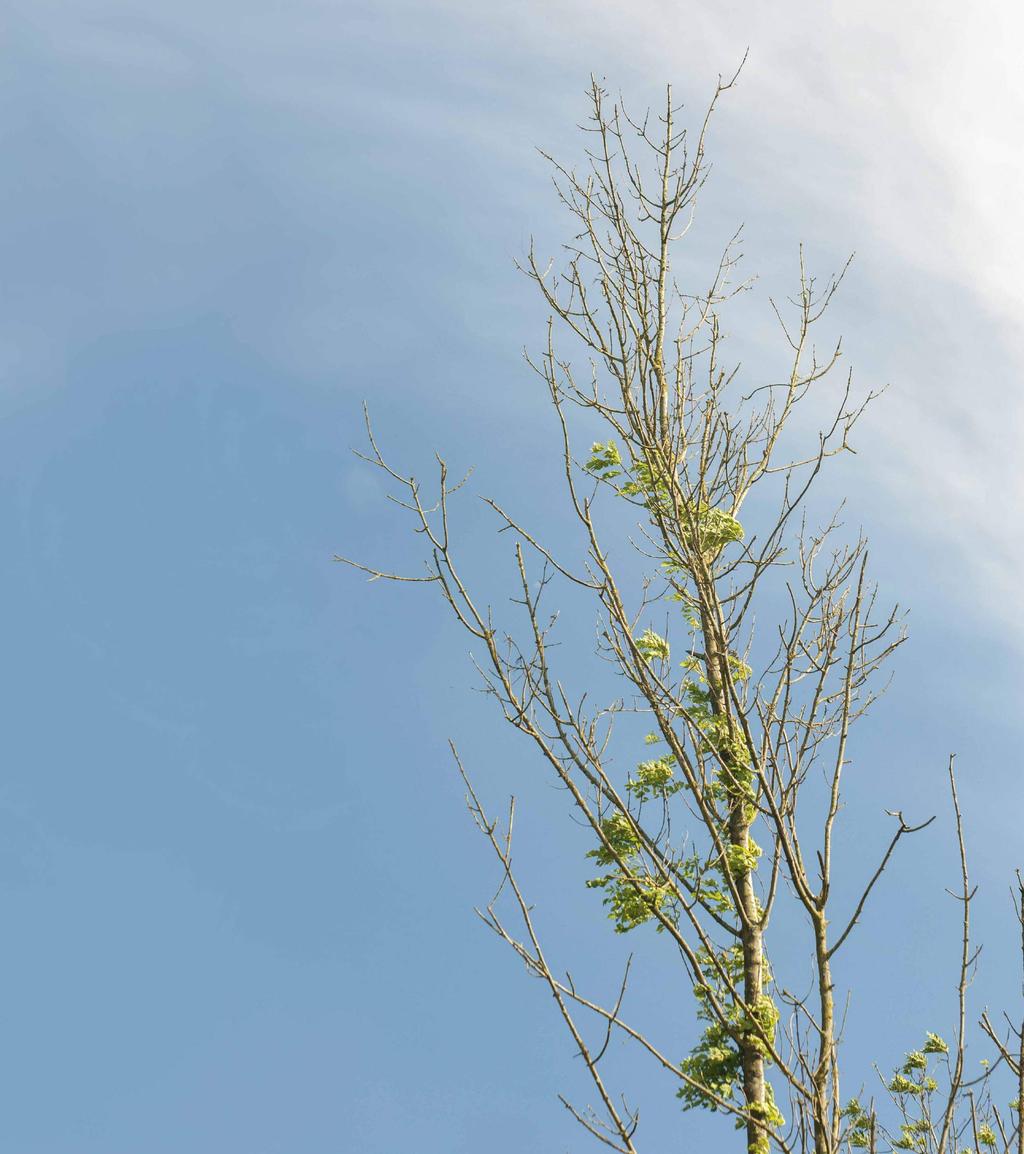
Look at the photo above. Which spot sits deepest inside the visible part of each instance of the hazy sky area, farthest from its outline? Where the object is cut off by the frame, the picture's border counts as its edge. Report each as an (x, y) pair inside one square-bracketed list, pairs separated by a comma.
[(236, 875)]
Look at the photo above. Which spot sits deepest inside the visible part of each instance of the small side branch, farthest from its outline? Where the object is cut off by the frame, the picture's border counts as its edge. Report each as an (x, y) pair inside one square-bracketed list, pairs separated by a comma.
[(902, 829), (620, 1134)]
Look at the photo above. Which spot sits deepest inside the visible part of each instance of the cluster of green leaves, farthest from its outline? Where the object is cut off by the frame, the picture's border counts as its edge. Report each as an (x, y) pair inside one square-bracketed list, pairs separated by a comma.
[(860, 1123), (605, 461), (715, 528), (716, 1060), (718, 736), (715, 1064), (704, 530), (652, 647), (655, 779), (644, 484), (631, 894), (912, 1086), (691, 611)]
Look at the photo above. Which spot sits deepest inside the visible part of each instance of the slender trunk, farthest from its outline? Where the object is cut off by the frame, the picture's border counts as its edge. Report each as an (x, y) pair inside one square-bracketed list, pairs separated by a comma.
[(826, 1073), (741, 816), (754, 1092)]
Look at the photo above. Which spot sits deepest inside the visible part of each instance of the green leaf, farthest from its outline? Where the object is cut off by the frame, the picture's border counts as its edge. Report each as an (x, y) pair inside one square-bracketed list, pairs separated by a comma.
[(651, 646)]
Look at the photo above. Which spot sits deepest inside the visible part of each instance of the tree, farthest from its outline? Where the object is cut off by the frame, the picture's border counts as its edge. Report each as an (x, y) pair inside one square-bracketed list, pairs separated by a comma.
[(745, 724)]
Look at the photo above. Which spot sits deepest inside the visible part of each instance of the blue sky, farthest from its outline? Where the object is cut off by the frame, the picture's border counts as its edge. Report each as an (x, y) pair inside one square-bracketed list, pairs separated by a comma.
[(235, 872)]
